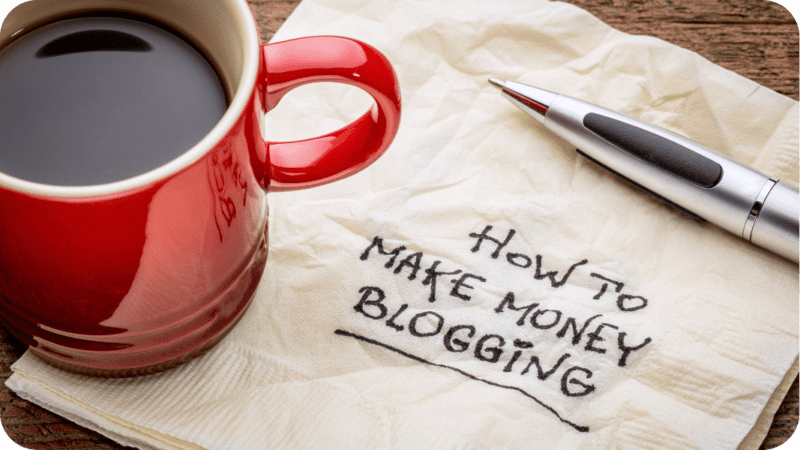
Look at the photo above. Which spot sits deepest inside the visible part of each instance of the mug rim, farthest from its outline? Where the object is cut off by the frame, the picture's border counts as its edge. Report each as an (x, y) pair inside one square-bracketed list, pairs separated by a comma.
[(250, 41)]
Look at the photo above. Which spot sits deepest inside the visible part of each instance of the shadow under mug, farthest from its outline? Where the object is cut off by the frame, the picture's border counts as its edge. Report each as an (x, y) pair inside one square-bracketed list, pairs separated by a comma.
[(139, 275)]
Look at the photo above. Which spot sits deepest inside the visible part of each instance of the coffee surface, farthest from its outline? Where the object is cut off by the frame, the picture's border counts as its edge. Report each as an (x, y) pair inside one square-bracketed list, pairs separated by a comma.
[(94, 100)]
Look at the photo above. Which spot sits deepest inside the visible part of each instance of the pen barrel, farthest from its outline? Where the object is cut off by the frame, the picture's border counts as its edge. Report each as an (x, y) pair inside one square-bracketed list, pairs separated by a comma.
[(699, 180), (776, 227)]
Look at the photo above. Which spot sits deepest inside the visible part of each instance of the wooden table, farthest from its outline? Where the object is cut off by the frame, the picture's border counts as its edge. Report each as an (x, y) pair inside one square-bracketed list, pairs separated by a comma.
[(757, 39)]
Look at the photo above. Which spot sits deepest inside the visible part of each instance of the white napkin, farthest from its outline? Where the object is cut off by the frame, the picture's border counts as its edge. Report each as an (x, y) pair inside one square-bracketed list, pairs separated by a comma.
[(481, 285)]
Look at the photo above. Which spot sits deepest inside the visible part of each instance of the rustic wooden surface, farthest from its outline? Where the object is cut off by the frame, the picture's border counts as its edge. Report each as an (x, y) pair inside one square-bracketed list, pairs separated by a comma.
[(757, 39)]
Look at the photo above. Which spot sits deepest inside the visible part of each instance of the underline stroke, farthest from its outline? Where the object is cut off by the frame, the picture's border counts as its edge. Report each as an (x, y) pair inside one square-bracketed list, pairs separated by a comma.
[(581, 428)]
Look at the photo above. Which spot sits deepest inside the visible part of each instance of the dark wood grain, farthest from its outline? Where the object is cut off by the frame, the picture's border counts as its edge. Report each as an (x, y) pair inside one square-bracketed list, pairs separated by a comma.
[(757, 39), (754, 38)]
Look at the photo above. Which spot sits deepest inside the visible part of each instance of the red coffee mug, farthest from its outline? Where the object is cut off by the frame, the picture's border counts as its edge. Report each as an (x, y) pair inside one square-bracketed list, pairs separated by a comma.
[(142, 274)]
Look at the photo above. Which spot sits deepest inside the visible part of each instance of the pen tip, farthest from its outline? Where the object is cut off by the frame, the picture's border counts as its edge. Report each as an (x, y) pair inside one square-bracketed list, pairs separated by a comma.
[(496, 83)]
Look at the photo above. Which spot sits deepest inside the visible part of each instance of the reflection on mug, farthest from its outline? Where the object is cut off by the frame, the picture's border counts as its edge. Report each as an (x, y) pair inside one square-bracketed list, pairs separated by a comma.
[(182, 266)]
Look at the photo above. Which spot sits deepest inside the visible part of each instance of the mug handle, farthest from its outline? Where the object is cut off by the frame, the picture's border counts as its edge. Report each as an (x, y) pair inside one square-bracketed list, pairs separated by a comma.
[(312, 162)]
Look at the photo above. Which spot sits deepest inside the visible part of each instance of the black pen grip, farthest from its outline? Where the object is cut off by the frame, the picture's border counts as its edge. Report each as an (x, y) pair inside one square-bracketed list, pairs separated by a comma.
[(656, 150)]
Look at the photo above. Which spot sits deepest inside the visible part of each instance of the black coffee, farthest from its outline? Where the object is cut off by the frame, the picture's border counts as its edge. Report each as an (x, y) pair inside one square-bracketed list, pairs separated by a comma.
[(94, 100)]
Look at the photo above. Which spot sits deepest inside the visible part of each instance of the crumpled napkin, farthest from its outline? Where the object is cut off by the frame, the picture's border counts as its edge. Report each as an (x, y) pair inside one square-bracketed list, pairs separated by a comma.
[(481, 285)]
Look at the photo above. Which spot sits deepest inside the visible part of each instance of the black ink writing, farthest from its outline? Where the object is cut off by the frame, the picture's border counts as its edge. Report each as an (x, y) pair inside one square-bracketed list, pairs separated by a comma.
[(595, 336), (638, 303), (521, 260), (431, 278), (568, 380), (495, 244), (554, 273), (490, 348), (508, 301), (571, 323), (413, 328), (391, 323), (455, 345), (413, 262), (377, 243), (484, 235), (548, 322), (570, 327), (489, 353), (541, 373), (517, 351), (617, 285), (376, 302), (627, 350), (521, 345), (462, 283)]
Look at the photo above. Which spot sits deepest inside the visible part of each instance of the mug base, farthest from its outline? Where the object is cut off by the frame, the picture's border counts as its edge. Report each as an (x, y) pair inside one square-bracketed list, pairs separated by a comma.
[(138, 371), (195, 337)]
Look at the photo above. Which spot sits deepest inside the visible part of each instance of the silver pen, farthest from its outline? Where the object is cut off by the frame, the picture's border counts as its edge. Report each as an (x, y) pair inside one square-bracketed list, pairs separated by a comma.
[(680, 171)]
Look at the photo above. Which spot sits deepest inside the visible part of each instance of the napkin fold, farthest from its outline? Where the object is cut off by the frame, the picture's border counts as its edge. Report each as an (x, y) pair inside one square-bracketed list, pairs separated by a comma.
[(481, 285)]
